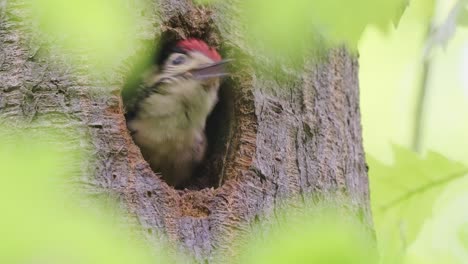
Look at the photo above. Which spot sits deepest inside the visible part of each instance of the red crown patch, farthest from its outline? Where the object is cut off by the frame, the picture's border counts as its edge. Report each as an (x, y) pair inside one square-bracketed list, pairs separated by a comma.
[(193, 44)]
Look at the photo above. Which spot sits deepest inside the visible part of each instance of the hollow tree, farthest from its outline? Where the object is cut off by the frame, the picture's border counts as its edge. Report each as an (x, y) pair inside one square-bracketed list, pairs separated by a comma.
[(269, 139)]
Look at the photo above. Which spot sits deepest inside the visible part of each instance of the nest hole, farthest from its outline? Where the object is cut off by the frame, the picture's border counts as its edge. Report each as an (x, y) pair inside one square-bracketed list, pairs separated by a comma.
[(218, 131), (219, 124), (218, 127)]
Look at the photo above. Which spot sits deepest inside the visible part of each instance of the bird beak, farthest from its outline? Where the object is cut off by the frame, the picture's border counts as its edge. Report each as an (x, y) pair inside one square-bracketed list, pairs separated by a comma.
[(212, 70)]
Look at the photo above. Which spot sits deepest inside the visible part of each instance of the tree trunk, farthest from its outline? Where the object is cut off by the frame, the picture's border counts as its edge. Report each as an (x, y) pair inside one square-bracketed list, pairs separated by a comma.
[(270, 139)]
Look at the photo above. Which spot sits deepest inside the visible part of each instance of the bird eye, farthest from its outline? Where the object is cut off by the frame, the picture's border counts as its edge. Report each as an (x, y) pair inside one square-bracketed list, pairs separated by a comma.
[(179, 60)]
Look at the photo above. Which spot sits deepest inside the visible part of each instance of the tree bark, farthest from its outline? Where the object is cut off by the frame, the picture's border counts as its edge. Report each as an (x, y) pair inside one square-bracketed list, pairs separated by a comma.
[(271, 139)]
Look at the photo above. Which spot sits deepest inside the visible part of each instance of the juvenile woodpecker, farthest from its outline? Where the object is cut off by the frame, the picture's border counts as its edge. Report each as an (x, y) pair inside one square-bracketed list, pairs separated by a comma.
[(167, 114)]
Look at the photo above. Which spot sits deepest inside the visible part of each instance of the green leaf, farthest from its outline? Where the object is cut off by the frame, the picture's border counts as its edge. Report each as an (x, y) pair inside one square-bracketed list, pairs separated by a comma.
[(463, 16), (403, 196), (319, 236), (287, 27), (101, 33), (442, 238), (41, 223), (463, 235)]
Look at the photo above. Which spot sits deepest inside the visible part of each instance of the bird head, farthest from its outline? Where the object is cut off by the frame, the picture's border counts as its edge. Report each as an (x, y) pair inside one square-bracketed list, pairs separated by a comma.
[(194, 58)]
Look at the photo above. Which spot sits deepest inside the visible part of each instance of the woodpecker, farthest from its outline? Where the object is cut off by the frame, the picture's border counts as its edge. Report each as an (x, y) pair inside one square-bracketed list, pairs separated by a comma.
[(167, 112)]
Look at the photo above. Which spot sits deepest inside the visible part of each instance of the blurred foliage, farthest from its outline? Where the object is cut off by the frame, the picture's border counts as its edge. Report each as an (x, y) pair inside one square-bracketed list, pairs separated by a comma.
[(462, 19), (389, 75), (390, 78), (291, 27), (403, 197), (419, 204), (320, 234), (103, 32), (205, 2), (445, 23), (418, 199), (42, 223), (443, 237)]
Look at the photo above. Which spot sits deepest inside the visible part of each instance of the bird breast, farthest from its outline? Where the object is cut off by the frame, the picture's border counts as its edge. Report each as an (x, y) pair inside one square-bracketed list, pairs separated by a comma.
[(170, 125)]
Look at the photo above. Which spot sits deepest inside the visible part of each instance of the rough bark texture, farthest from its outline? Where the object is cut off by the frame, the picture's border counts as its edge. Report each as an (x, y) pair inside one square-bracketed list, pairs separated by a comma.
[(279, 138)]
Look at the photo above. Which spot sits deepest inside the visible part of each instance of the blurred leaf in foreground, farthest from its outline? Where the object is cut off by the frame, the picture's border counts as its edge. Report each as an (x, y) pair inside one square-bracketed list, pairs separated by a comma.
[(321, 236), (291, 27), (39, 224), (445, 24), (403, 197), (103, 32), (463, 15), (389, 76), (444, 236)]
